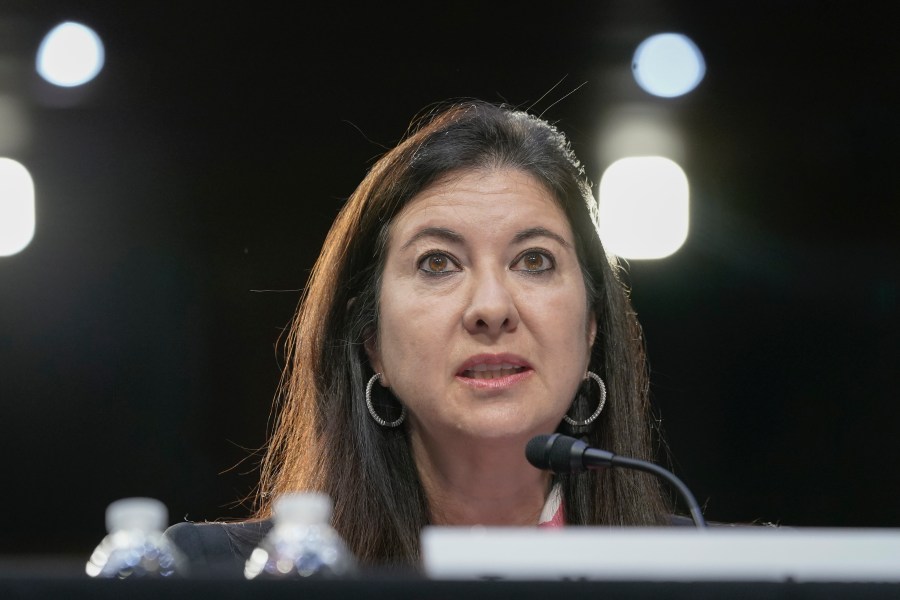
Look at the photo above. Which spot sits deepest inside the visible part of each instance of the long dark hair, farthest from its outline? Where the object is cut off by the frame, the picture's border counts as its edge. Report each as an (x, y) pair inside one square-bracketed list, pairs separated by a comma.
[(323, 437)]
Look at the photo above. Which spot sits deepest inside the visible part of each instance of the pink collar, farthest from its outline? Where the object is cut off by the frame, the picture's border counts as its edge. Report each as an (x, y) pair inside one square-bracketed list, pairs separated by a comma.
[(552, 513)]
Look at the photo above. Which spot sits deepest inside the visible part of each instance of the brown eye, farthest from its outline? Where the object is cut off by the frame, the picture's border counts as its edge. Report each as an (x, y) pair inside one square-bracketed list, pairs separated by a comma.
[(533, 261), (437, 263)]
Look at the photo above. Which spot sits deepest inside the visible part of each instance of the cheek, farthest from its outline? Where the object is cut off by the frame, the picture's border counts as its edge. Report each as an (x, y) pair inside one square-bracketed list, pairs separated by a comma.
[(563, 309), (565, 323), (412, 328)]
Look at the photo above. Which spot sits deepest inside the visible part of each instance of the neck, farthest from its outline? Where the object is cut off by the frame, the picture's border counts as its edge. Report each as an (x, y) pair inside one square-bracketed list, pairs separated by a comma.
[(481, 482)]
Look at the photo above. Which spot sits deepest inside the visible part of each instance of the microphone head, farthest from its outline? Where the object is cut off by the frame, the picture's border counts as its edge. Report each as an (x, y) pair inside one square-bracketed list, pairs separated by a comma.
[(537, 451), (557, 453), (565, 455)]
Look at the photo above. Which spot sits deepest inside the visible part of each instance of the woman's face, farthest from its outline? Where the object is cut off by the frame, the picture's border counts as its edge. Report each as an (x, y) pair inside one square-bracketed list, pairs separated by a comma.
[(484, 329)]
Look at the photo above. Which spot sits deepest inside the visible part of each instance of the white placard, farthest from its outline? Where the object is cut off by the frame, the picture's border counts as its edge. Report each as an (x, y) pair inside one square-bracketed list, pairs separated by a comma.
[(663, 554)]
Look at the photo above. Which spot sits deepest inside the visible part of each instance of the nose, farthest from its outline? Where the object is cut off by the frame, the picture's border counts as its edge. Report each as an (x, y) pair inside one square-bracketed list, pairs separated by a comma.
[(491, 309)]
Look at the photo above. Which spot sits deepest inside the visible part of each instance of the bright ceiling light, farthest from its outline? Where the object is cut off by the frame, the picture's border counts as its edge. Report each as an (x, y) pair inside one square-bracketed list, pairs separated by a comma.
[(16, 207), (70, 55), (643, 207), (668, 65)]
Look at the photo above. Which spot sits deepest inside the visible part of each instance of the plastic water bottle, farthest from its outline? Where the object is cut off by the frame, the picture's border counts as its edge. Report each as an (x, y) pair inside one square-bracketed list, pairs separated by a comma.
[(301, 543), (135, 547)]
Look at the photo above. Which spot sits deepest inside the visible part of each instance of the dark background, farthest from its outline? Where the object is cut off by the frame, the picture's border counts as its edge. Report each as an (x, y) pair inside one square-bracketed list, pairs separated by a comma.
[(183, 195)]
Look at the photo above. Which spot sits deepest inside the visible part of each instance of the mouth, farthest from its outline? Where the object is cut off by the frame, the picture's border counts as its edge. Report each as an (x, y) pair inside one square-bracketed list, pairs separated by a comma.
[(492, 371), (485, 368)]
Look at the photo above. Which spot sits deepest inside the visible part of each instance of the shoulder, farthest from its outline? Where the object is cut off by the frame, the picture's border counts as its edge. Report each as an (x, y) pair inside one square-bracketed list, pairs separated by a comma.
[(217, 549)]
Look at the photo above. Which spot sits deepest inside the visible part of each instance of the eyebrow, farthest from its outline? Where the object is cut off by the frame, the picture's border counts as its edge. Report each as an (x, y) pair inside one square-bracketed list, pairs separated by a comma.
[(438, 232), (533, 232), (454, 237)]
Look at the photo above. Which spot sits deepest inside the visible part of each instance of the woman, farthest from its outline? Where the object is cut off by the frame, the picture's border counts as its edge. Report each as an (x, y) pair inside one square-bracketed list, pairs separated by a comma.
[(462, 304)]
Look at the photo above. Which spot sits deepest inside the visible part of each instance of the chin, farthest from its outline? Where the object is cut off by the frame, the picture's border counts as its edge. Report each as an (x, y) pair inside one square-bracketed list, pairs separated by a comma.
[(512, 429)]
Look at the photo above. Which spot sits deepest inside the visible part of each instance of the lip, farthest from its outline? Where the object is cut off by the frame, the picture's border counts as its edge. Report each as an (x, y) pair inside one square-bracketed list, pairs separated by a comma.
[(497, 383), (493, 359)]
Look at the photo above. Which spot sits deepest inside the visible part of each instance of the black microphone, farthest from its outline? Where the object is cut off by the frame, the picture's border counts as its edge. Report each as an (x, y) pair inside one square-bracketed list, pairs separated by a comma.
[(564, 454)]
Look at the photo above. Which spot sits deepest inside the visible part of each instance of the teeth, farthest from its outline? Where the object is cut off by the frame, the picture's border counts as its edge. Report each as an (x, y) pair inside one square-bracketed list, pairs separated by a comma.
[(500, 367), (492, 371)]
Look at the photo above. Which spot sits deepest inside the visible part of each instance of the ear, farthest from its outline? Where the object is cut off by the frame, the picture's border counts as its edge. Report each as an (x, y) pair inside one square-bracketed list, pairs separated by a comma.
[(371, 346), (592, 331)]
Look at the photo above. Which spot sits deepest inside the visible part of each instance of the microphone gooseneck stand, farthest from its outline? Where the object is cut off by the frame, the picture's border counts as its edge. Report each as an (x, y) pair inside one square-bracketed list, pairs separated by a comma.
[(563, 454)]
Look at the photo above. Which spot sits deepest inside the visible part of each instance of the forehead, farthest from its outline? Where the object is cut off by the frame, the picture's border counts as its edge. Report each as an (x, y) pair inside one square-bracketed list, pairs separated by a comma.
[(485, 200)]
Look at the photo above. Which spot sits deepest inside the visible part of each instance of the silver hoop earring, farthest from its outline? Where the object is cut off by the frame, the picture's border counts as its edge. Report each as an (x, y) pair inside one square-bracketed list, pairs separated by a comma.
[(371, 408), (600, 406)]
